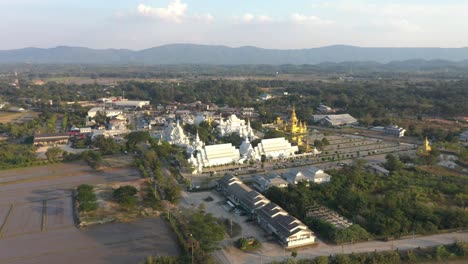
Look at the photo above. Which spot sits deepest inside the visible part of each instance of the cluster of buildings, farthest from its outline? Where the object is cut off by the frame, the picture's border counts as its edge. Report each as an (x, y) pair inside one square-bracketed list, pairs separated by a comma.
[(116, 122), (392, 130), (288, 230), (203, 156), (293, 176)]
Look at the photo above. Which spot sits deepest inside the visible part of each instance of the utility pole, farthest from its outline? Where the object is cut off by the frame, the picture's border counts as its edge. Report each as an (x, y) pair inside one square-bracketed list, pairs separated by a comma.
[(191, 238)]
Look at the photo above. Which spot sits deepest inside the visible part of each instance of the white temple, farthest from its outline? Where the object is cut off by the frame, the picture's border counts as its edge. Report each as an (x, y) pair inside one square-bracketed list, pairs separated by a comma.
[(197, 145), (235, 125), (174, 134), (247, 152), (275, 148), (214, 155)]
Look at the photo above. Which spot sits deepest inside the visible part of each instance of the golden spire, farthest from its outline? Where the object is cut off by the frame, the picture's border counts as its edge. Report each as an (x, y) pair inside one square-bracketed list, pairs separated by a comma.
[(427, 146), (293, 115)]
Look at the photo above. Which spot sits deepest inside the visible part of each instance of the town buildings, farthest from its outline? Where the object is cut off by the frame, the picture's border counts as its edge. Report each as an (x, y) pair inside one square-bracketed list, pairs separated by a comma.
[(324, 109), (51, 139), (395, 131), (310, 174), (264, 182), (289, 231)]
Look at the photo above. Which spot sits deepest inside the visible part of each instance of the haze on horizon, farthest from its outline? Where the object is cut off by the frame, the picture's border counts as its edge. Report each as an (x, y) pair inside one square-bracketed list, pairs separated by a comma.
[(140, 24)]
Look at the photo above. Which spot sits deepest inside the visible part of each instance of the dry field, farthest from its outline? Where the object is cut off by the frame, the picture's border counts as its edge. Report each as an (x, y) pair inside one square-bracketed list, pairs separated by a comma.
[(37, 224), (6, 117)]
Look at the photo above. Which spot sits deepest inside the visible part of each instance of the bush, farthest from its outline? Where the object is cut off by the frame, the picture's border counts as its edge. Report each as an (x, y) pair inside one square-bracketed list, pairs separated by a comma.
[(86, 198), (125, 195), (247, 244)]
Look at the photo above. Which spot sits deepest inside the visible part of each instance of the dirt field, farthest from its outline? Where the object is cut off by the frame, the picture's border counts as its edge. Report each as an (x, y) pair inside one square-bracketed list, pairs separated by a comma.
[(6, 117), (37, 223)]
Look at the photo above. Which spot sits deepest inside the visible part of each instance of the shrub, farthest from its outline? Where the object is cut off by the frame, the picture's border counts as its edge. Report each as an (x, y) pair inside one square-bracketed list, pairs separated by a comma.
[(249, 243), (87, 198), (125, 195)]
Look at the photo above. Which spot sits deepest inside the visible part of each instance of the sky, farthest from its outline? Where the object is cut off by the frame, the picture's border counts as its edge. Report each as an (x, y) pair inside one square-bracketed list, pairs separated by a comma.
[(276, 24)]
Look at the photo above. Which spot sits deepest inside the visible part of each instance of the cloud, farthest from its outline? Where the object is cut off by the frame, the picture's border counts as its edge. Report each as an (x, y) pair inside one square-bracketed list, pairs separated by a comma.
[(403, 25), (207, 18), (303, 19), (251, 18), (174, 12), (366, 7)]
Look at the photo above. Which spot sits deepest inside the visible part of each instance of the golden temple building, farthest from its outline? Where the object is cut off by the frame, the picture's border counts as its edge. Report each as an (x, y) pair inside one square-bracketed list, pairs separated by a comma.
[(427, 146), (295, 127)]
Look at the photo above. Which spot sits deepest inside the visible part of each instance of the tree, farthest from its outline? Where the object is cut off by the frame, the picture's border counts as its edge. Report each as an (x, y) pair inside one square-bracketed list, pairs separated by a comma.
[(92, 158), (125, 195), (206, 229), (106, 145), (393, 163), (325, 141), (172, 190), (318, 144), (136, 137), (53, 153)]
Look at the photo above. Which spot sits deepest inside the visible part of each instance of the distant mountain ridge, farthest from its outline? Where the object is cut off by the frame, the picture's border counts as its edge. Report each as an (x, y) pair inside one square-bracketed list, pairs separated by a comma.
[(223, 55)]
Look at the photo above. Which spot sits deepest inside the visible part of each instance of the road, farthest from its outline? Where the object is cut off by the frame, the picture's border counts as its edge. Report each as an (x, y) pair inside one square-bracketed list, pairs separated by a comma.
[(273, 252)]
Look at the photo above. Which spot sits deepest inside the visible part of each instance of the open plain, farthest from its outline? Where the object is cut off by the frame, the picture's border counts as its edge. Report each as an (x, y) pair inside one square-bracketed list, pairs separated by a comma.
[(36, 213)]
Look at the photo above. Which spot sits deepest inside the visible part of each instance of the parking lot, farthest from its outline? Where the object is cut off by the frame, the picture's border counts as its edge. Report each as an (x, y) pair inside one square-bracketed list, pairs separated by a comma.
[(219, 208)]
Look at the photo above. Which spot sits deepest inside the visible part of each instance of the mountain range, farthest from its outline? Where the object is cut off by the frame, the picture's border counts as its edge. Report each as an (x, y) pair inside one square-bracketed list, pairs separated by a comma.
[(223, 55)]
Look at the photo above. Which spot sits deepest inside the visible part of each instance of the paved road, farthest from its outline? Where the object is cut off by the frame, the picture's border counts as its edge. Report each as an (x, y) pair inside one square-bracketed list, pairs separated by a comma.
[(273, 252)]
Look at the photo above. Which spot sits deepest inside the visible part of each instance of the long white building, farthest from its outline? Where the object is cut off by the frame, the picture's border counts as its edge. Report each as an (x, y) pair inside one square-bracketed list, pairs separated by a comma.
[(275, 148), (130, 104), (214, 155)]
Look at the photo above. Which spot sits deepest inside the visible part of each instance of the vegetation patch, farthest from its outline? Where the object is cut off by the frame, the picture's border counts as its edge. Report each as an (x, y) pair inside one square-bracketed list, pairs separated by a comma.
[(407, 202), (117, 202), (248, 243)]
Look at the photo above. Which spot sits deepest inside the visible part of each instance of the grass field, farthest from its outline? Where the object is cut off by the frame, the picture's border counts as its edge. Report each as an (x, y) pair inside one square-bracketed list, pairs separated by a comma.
[(6, 117), (23, 117), (104, 81), (438, 170)]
